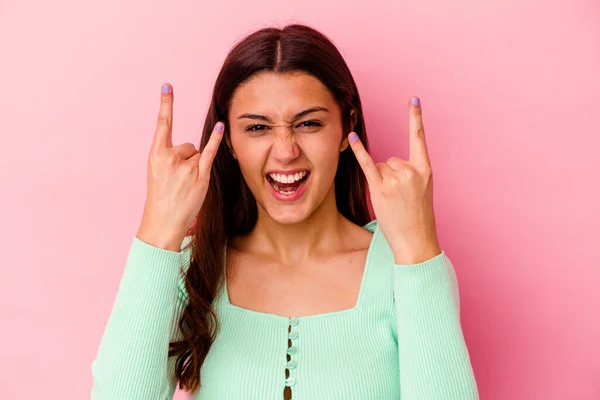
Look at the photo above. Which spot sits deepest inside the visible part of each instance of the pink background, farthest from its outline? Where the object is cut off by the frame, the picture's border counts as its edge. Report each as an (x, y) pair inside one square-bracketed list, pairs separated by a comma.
[(510, 94)]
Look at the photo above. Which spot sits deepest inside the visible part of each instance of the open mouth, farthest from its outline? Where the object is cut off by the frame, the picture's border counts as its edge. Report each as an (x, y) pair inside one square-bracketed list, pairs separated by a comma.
[(288, 184)]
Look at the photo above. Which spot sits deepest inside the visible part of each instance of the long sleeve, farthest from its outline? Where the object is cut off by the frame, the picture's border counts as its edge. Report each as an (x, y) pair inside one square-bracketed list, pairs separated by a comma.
[(433, 357), (132, 361)]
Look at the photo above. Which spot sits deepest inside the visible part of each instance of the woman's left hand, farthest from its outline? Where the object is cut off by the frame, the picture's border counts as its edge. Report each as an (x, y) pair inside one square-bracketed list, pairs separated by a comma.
[(402, 195)]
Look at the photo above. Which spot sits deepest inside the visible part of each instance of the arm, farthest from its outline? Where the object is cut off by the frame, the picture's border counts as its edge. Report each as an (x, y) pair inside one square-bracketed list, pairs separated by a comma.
[(433, 357), (132, 357)]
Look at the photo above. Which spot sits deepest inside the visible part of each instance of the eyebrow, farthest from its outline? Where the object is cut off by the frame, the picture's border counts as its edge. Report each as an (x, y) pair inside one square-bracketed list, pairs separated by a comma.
[(296, 117)]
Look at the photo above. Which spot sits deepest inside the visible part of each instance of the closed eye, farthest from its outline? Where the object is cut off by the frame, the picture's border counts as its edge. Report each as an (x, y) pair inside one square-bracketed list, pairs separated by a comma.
[(251, 128), (313, 123), (260, 127)]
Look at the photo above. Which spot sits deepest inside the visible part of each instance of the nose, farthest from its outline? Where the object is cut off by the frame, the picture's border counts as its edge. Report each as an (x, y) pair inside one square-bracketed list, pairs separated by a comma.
[(284, 148)]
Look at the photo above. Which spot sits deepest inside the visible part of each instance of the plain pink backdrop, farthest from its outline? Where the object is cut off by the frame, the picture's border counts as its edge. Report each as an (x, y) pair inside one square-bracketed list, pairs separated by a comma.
[(511, 104)]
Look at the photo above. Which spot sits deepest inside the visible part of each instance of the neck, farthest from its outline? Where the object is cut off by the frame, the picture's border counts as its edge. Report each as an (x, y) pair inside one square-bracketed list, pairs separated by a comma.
[(320, 233)]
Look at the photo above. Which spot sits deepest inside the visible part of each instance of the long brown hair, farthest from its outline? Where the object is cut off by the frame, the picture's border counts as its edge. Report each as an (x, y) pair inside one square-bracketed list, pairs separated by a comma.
[(230, 208)]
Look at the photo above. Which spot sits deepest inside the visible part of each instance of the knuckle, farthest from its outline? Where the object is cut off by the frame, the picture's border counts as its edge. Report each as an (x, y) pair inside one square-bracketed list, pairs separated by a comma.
[(163, 120), (154, 156), (410, 174), (214, 142), (429, 180), (209, 152), (166, 98), (211, 144), (172, 158), (188, 167)]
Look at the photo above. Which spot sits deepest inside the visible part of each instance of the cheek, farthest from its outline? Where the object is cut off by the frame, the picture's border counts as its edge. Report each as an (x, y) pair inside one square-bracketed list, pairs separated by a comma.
[(322, 152), (250, 155)]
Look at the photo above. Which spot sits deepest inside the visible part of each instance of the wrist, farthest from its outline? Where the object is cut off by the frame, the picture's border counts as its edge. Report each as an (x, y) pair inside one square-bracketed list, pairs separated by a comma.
[(416, 254), (167, 239)]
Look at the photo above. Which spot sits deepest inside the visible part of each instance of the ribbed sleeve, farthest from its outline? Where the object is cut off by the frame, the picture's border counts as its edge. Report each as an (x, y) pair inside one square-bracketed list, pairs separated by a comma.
[(132, 361), (433, 357)]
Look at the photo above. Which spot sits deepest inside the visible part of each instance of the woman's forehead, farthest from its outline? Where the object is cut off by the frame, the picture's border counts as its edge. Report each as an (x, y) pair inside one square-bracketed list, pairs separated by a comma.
[(279, 94)]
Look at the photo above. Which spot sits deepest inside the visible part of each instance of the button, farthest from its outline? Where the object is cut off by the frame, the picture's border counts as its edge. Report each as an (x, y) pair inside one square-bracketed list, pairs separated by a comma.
[(292, 364), (293, 335), (294, 321), (292, 350), (291, 381)]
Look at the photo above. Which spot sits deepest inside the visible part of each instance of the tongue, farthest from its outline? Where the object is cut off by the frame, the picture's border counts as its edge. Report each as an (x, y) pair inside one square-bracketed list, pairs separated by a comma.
[(288, 187)]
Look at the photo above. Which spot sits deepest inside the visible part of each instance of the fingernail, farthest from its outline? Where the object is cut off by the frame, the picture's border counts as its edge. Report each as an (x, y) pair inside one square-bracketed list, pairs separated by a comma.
[(219, 126), (353, 137), (415, 101), (166, 89)]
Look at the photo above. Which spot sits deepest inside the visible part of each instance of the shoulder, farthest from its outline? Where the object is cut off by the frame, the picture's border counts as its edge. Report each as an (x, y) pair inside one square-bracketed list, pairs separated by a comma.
[(379, 274), (379, 243), (371, 225), (380, 252)]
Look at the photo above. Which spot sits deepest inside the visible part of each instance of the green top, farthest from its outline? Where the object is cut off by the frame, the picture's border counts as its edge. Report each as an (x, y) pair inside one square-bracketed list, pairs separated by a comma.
[(402, 340)]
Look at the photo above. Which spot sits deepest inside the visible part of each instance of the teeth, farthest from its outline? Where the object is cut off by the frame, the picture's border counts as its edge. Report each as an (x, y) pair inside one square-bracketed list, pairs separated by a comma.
[(288, 178), (282, 191)]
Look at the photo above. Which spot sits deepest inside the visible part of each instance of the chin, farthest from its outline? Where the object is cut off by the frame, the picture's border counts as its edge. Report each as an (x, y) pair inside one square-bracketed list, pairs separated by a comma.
[(292, 215)]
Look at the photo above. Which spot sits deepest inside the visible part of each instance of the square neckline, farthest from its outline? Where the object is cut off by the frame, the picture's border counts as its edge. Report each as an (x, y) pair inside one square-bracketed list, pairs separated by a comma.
[(357, 305)]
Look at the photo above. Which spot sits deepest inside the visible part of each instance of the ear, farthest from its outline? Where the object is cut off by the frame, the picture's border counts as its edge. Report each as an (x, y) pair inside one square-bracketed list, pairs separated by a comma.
[(344, 144), (353, 120), (229, 146)]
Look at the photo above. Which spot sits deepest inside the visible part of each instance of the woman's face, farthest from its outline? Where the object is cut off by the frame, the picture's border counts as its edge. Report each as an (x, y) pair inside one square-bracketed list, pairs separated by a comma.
[(287, 153)]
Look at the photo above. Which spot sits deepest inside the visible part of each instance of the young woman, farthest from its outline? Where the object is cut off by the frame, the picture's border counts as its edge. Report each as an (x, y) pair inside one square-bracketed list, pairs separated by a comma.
[(283, 288)]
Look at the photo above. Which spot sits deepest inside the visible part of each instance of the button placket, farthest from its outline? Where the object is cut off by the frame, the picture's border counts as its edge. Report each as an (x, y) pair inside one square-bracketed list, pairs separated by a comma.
[(292, 350)]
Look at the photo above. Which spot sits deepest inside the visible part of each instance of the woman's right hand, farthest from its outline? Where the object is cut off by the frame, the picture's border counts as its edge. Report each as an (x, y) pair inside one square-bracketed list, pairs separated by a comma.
[(178, 179)]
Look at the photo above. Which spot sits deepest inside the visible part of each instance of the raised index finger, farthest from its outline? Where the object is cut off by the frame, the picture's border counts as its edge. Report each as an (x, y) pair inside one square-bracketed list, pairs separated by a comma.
[(164, 123), (210, 151), (364, 159), (418, 155)]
